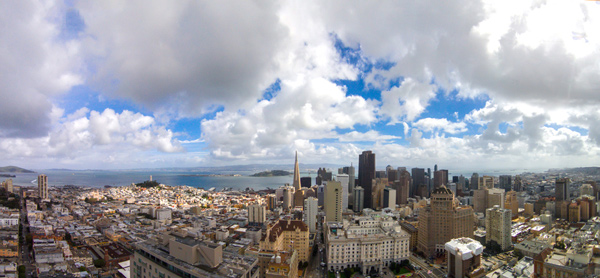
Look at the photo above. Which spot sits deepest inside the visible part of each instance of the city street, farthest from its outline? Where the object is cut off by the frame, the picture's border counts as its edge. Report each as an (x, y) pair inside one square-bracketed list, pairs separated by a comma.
[(426, 270)]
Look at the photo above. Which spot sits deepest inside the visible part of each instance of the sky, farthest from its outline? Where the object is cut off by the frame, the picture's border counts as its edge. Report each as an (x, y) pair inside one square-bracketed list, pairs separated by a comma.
[(474, 84)]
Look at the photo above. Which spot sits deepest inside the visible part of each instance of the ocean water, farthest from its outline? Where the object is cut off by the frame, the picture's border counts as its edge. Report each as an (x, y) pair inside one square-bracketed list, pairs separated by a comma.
[(171, 178)]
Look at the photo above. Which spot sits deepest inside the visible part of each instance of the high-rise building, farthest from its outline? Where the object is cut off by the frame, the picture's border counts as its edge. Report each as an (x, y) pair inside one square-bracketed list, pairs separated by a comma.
[(359, 199), (474, 181), (402, 186), (311, 210), (377, 193), (351, 183), (333, 201), (488, 182), (464, 258), (366, 174), (344, 180), (511, 202), (440, 178), (495, 198), (518, 186), (298, 198), (461, 186), (287, 235), (497, 226), (323, 176), (586, 189), (288, 197), (480, 200), (271, 202), (505, 182), (43, 186), (389, 198), (418, 178), (8, 185), (296, 183), (562, 189), (257, 214), (321, 195), (442, 221), (306, 182)]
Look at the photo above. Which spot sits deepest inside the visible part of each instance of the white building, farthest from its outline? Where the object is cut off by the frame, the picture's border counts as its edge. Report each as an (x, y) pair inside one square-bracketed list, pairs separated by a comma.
[(163, 214), (368, 242), (311, 209)]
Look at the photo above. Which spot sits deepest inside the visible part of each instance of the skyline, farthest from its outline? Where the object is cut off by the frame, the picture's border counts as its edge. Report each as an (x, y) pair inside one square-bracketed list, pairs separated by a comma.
[(468, 86)]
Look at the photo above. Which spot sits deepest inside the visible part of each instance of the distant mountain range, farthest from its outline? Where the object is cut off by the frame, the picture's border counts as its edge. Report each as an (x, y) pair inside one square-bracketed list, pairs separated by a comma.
[(14, 169), (231, 168)]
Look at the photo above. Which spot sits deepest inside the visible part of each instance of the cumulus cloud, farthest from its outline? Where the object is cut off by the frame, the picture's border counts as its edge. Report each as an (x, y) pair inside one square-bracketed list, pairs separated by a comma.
[(370, 135), (407, 101), (433, 125), (101, 134), (34, 66)]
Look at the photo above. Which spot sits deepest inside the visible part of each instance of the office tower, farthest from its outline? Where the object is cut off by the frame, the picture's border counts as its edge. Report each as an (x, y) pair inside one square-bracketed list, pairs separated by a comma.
[(518, 184), (402, 186), (333, 201), (464, 257), (435, 168), (505, 182), (351, 182), (429, 180), (377, 193), (495, 198), (43, 186), (271, 202), (488, 182), (321, 194), (511, 202), (392, 174), (455, 179), (440, 178), (298, 198), (306, 182), (389, 198), (474, 182), (442, 221), (588, 207), (366, 174), (359, 199), (562, 189), (344, 179), (323, 176), (257, 214), (480, 200), (311, 209), (423, 191), (586, 189), (461, 186), (288, 197), (418, 178), (497, 226)]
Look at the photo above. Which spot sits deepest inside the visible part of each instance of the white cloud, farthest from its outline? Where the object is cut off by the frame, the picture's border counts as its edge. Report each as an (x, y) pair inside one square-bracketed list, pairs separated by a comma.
[(433, 125), (370, 135), (35, 66)]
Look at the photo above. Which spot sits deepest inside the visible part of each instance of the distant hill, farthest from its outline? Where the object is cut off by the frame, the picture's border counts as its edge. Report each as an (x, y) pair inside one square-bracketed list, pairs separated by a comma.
[(274, 173), (14, 169)]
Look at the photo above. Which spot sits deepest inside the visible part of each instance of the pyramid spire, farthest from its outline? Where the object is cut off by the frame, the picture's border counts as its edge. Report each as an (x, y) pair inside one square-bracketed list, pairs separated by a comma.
[(296, 183)]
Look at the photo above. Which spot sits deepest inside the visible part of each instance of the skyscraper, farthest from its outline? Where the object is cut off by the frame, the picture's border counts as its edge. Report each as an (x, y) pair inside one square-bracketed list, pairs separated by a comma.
[(440, 178), (518, 184), (296, 183), (306, 182), (474, 182), (288, 197), (389, 198), (562, 189), (497, 226), (311, 209), (343, 178), (351, 183), (333, 201), (505, 182), (359, 199), (43, 186), (418, 178), (402, 186), (366, 174), (442, 221)]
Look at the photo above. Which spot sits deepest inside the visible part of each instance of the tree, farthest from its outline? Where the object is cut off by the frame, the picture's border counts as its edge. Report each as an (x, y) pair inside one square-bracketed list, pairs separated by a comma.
[(99, 263)]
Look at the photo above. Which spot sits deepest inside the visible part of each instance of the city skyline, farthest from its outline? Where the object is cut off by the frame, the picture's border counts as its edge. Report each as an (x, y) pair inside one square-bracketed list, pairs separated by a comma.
[(469, 86)]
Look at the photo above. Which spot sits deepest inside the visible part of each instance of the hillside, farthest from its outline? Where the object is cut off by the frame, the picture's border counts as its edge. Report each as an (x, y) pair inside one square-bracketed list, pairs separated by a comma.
[(14, 169)]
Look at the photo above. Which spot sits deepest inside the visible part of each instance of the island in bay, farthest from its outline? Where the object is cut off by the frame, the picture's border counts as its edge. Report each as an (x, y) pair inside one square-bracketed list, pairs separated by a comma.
[(273, 173)]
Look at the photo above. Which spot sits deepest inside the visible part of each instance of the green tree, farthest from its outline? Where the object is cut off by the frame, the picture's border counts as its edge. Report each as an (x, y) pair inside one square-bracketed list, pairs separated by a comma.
[(99, 263)]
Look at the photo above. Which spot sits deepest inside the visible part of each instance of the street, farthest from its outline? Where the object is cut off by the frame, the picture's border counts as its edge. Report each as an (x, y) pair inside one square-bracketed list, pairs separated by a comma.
[(426, 270)]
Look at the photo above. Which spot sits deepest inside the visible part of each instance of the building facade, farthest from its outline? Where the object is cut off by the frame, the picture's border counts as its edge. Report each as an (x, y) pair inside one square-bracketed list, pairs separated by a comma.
[(498, 227), (366, 175), (333, 201), (43, 186)]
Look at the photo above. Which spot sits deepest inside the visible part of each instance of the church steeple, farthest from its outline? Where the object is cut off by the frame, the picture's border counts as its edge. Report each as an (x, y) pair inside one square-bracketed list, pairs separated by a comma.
[(296, 183)]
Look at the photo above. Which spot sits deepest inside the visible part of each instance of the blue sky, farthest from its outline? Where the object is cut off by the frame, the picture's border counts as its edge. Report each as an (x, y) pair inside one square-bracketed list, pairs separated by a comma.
[(481, 86)]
